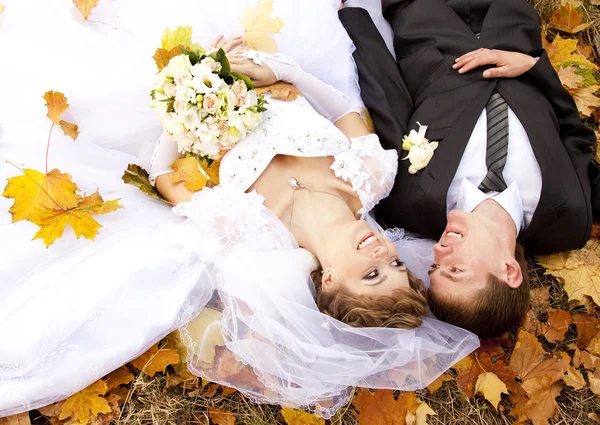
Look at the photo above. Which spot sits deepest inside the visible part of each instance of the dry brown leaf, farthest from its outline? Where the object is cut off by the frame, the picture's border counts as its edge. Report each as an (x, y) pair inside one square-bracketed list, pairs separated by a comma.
[(300, 417), (437, 384), (568, 19), (220, 416), (155, 360), (51, 410), (594, 345), (578, 269), (491, 387), (85, 7), (258, 27), (467, 372), (121, 376), (586, 101), (569, 78), (527, 360), (543, 405), (380, 408), (21, 418), (280, 91), (594, 379), (163, 56), (138, 177), (587, 327), (81, 406), (594, 417), (497, 363), (574, 378), (559, 322)]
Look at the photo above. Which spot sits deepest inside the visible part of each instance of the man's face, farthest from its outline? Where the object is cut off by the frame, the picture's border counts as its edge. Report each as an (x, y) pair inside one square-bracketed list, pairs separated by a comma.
[(465, 255)]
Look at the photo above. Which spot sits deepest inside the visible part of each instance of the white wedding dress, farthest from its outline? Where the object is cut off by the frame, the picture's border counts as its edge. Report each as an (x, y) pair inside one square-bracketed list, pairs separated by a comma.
[(74, 312)]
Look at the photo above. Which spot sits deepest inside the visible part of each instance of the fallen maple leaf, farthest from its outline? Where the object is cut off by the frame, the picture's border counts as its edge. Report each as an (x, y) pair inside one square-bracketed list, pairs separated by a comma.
[(138, 177), (574, 378), (437, 384), (300, 417), (163, 56), (56, 102), (21, 418), (586, 101), (379, 407), (568, 19), (194, 175), (491, 387), (467, 372), (594, 379), (578, 269), (280, 91), (569, 77), (258, 26), (121, 376), (220, 416), (527, 361), (52, 221), (205, 329), (562, 52), (35, 190), (182, 36), (559, 322), (587, 327), (155, 360), (542, 406), (422, 412), (82, 405), (85, 6)]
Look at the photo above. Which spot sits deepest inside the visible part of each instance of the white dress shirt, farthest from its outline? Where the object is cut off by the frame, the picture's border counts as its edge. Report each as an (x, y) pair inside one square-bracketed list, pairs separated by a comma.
[(521, 173)]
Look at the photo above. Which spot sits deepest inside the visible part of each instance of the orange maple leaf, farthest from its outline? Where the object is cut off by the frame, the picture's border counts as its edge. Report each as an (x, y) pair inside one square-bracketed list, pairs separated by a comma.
[(81, 406), (568, 19), (220, 416), (155, 360), (380, 408), (280, 91), (56, 102)]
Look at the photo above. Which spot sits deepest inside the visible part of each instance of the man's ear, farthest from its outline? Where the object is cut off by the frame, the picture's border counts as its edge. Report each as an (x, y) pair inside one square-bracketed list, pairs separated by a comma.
[(327, 282), (514, 274)]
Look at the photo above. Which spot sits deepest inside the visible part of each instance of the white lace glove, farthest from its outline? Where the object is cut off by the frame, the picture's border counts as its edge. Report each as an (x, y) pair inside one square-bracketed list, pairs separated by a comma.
[(165, 153), (326, 100)]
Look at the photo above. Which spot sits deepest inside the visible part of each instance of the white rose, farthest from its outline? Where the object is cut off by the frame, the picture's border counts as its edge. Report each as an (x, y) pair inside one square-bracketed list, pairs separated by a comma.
[(180, 106), (169, 90), (211, 103), (185, 141), (252, 119), (419, 156), (172, 125), (183, 79), (178, 64), (210, 63), (251, 99), (186, 94), (239, 89)]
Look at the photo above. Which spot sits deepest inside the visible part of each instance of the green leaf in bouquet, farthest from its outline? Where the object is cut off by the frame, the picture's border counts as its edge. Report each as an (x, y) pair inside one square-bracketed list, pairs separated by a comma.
[(193, 54), (227, 77), (181, 36), (245, 79), (170, 107), (138, 177), (221, 57)]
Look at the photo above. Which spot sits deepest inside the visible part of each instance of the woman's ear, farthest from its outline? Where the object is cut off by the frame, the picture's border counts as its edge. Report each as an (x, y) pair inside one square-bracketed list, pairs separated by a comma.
[(327, 282)]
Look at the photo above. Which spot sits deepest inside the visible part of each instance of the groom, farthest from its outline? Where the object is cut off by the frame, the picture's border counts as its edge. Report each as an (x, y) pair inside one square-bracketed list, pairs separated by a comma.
[(514, 159)]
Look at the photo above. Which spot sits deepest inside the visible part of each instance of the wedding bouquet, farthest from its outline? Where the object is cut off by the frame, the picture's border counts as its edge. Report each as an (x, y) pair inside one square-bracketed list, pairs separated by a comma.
[(204, 106)]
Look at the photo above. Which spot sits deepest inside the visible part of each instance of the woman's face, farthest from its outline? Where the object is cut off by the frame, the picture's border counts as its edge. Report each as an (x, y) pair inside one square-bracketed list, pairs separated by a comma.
[(364, 263)]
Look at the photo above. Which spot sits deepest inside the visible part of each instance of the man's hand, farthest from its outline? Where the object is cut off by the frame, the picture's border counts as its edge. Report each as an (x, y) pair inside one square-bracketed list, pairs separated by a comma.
[(508, 64)]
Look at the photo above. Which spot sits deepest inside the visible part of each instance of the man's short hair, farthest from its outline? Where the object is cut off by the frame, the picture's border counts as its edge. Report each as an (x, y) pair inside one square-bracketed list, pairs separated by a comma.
[(492, 311)]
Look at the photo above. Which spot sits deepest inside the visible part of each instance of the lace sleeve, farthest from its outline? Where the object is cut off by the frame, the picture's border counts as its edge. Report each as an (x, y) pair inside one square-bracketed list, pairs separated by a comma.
[(165, 152), (370, 168)]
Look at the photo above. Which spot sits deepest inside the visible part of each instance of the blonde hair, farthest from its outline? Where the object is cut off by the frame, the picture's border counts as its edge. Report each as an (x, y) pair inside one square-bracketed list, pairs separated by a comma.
[(403, 309)]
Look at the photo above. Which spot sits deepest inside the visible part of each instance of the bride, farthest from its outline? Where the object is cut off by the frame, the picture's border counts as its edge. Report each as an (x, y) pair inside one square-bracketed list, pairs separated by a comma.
[(72, 314)]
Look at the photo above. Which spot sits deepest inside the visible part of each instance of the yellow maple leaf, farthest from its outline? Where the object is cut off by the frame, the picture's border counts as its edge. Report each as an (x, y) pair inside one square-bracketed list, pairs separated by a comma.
[(491, 387), (258, 26), (579, 269), (280, 91), (220, 416), (205, 328), (561, 52), (87, 402), (85, 6), (155, 360), (194, 176), (569, 78), (57, 103), (21, 418), (182, 36), (574, 378), (121, 376), (52, 221), (422, 412), (586, 101), (35, 190), (568, 19), (300, 417)]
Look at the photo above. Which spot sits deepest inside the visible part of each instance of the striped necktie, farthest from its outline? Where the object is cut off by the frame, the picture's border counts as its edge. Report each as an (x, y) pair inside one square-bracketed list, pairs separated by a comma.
[(497, 144)]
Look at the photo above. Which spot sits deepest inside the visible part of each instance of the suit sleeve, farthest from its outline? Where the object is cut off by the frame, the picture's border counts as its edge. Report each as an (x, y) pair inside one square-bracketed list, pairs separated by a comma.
[(382, 88), (578, 139)]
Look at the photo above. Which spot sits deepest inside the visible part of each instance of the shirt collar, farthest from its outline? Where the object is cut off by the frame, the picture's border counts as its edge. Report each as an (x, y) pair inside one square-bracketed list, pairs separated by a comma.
[(469, 197)]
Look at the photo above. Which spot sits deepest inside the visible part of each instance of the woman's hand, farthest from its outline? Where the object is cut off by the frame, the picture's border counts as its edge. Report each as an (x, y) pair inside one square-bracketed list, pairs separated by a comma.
[(261, 75), (508, 64)]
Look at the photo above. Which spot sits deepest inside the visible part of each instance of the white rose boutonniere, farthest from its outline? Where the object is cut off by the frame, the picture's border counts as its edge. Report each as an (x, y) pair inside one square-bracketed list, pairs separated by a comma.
[(420, 149)]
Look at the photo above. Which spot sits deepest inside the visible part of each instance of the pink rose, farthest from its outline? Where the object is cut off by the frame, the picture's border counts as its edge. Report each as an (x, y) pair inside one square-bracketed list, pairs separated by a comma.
[(211, 103), (239, 89), (222, 126), (180, 106), (210, 63), (170, 90)]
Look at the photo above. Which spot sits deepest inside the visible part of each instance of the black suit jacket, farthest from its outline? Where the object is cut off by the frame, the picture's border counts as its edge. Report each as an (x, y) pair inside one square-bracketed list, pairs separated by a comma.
[(422, 86)]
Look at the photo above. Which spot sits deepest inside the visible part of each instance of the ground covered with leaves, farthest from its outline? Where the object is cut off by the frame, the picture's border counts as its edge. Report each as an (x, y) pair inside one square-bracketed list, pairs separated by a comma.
[(545, 372)]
